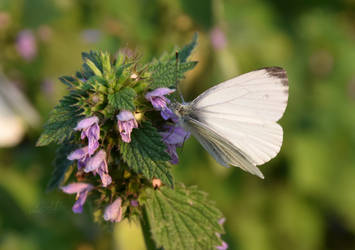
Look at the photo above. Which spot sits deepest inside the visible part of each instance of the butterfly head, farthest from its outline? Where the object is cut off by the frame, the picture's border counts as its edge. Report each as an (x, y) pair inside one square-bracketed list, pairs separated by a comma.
[(181, 110)]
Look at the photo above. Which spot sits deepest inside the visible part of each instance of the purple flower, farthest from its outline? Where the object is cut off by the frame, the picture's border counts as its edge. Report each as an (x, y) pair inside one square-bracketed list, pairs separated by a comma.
[(126, 122), (91, 130), (159, 101), (91, 35), (218, 38), (134, 203), (113, 212), (81, 154), (81, 189), (174, 137), (224, 245), (26, 45), (98, 165)]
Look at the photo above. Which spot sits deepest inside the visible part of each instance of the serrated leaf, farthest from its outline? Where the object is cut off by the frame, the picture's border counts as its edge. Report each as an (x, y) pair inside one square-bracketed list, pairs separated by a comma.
[(93, 57), (93, 68), (95, 81), (166, 74), (146, 154), (62, 120), (106, 63), (185, 52), (68, 80), (61, 166), (183, 218), (123, 99)]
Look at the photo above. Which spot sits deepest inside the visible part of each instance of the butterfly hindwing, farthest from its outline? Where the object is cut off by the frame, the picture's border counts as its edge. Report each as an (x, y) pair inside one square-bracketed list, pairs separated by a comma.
[(220, 148)]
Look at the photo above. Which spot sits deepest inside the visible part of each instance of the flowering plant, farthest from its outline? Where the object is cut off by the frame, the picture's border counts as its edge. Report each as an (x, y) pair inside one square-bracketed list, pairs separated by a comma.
[(117, 142)]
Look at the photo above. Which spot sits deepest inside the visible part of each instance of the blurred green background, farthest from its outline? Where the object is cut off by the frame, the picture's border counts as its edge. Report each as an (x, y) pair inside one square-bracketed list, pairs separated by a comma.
[(307, 200)]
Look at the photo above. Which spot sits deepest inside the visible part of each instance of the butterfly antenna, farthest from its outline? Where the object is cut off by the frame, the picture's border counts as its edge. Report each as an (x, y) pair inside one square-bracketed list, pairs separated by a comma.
[(176, 76)]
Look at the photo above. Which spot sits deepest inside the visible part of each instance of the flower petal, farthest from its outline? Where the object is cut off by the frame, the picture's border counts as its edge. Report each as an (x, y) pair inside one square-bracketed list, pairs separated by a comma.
[(171, 150), (96, 161), (125, 115), (86, 122), (103, 172), (78, 205), (113, 212), (78, 154), (76, 187), (174, 135), (125, 125), (159, 92), (134, 203)]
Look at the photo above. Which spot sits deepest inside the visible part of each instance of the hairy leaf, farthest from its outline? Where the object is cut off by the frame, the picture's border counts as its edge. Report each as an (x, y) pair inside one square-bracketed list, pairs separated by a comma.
[(62, 120), (123, 99), (61, 166), (183, 218), (68, 80), (185, 52), (92, 64), (146, 154), (166, 74)]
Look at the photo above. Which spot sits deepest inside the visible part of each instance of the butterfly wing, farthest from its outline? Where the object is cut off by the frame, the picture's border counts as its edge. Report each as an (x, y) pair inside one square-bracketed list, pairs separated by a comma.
[(244, 111), (224, 152)]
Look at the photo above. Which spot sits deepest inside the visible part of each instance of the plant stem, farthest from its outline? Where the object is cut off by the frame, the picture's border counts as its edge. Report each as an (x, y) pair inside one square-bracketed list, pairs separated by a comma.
[(150, 244)]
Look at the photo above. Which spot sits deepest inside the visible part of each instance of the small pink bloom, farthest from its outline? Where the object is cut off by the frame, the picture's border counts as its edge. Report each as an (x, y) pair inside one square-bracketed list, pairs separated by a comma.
[(98, 165), (81, 154), (126, 122), (218, 38), (113, 212), (26, 45), (159, 101), (81, 189), (174, 137), (134, 203), (91, 130)]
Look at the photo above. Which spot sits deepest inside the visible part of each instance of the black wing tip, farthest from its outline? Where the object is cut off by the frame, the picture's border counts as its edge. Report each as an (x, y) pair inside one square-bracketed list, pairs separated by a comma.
[(277, 72)]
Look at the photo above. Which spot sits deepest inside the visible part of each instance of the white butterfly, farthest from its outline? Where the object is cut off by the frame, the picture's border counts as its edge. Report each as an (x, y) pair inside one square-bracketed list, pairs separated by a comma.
[(235, 121)]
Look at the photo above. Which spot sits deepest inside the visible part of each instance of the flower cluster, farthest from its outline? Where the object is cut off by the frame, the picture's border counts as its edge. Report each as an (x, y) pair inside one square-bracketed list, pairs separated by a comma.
[(118, 128), (88, 161), (91, 160)]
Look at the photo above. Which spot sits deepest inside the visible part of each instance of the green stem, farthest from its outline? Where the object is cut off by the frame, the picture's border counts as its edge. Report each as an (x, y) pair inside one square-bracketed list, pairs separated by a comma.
[(150, 244)]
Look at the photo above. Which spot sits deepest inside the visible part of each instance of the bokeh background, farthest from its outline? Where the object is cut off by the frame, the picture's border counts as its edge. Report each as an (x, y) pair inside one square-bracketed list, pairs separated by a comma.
[(306, 202)]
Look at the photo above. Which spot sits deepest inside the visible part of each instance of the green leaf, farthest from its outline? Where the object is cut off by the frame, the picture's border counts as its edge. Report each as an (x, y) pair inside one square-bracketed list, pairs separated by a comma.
[(106, 63), (182, 218), (166, 74), (185, 52), (62, 166), (93, 68), (62, 120), (123, 99), (68, 80), (146, 154), (95, 62)]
